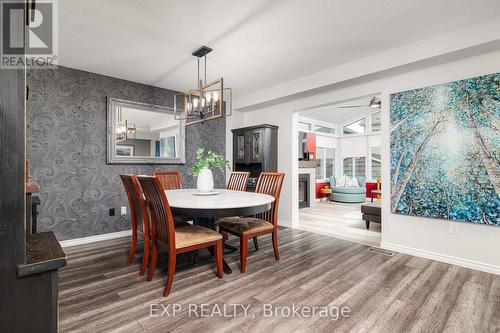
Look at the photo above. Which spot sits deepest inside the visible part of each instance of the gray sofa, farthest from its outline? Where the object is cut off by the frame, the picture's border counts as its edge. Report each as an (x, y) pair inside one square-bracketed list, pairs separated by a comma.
[(349, 194)]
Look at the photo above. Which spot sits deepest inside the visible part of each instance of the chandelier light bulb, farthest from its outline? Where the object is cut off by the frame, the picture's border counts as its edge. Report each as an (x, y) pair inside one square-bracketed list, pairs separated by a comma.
[(208, 97)]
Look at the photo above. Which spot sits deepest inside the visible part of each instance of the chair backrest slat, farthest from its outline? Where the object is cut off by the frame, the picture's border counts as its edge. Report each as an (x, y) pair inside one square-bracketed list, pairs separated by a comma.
[(270, 183), (170, 180), (162, 221), (138, 211), (238, 181)]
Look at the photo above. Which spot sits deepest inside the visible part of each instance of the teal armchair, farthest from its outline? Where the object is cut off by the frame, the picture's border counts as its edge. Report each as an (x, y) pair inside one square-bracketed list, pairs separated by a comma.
[(349, 194)]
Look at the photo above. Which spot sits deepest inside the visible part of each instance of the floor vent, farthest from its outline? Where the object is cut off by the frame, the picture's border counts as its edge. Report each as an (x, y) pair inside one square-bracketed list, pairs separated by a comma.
[(381, 251)]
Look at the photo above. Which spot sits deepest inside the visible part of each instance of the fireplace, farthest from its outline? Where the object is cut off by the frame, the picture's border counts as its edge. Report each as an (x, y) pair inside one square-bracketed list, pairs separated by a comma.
[(304, 195)]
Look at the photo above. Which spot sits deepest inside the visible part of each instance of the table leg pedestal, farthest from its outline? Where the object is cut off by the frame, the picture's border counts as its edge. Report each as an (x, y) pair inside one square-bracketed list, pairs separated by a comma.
[(230, 248), (209, 222)]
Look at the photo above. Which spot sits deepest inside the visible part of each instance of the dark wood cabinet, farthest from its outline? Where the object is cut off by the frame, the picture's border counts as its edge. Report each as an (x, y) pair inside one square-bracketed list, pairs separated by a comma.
[(28, 262), (255, 149)]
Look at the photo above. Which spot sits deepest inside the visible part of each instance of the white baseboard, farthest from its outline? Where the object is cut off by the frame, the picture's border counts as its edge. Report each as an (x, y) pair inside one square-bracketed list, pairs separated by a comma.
[(284, 223), (472, 264), (96, 238)]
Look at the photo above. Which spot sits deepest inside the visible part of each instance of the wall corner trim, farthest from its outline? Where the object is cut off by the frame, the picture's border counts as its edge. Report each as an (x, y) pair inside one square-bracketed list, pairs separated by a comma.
[(467, 263), (96, 238)]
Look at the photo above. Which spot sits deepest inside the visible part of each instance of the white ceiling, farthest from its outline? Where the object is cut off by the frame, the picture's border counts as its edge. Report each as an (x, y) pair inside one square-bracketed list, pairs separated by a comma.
[(335, 115), (257, 44)]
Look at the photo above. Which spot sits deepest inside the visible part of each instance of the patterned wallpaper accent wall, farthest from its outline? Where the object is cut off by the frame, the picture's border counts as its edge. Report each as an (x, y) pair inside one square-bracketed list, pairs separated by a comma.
[(66, 148)]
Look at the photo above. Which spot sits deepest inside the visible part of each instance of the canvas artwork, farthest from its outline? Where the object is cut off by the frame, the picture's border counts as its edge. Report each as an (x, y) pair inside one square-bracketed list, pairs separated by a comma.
[(124, 150), (445, 151), (167, 147)]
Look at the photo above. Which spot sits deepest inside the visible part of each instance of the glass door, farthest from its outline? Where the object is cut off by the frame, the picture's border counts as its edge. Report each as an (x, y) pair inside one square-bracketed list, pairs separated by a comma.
[(240, 148), (256, 146)]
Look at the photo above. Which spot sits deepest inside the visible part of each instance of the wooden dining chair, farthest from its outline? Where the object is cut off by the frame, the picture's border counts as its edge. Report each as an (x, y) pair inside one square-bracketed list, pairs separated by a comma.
[(238, 181), (175, 241), (139, 219), (261, 224), (170, 180)]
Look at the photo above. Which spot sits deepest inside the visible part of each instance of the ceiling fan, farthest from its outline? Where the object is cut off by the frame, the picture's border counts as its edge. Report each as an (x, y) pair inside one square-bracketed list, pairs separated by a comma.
[(375, 103)]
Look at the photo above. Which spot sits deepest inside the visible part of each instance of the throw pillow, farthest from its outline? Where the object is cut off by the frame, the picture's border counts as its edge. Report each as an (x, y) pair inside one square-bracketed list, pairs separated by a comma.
[(340, 181), (351, 182)]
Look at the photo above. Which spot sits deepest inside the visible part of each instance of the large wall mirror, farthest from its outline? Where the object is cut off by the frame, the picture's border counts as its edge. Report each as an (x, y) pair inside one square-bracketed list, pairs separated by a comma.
[(140, 133)]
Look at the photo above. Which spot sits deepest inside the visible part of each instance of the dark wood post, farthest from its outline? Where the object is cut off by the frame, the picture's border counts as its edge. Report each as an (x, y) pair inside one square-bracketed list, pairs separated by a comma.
[(28, 266)]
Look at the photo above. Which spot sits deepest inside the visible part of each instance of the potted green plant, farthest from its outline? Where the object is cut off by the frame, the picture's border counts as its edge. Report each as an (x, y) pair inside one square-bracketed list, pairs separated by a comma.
[(203, 166)]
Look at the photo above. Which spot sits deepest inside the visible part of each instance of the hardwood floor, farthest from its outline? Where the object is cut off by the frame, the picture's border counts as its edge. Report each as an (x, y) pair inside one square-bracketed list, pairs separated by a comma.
[(340, 220), (400, 293)]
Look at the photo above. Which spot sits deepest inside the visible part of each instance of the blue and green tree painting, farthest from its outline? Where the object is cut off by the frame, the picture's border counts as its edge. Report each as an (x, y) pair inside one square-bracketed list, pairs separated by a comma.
[(445, 151)]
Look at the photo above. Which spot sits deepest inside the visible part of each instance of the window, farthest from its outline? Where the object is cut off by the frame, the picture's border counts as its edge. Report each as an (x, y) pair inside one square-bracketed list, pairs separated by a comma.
[(376, 165), (323, 129), (304, 127), (320, 163), (376, 123), (329, 162), (354, 166), (348, 166), (325, 163), (357, 127), (359, 167)]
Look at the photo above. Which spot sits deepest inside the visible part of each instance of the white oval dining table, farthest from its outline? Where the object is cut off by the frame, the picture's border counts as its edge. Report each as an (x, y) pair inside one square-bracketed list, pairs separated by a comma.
[(185, 202), (204, 209)]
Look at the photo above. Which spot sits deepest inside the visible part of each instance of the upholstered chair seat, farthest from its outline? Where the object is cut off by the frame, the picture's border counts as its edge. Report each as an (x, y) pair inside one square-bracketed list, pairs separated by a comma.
[(244, 225), (194, 234)]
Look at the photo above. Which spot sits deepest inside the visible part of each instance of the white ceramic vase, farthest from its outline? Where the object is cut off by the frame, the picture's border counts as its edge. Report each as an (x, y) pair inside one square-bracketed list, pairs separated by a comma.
[(205, 181)]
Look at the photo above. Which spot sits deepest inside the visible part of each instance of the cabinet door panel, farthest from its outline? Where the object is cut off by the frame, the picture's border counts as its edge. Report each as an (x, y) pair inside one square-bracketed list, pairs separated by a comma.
[(240, 148), (256, 146)]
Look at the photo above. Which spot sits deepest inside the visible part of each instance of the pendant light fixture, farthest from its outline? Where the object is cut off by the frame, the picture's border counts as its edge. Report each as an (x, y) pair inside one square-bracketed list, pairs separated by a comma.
[(208, 101), (124, 130)]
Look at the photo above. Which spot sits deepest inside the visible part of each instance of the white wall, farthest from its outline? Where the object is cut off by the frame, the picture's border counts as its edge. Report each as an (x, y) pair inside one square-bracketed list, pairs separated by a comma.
[(374, 141), (354, 147), (287, 152), (475, 246), (326, 141)]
